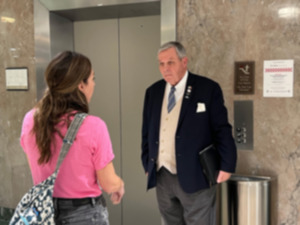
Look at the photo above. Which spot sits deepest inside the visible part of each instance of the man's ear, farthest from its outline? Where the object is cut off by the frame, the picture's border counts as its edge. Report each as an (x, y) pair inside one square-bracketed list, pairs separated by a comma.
[(185, 60)]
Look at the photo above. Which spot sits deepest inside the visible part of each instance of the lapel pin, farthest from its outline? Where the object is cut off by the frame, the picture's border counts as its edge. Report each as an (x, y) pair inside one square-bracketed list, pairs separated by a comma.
[(188, 92)]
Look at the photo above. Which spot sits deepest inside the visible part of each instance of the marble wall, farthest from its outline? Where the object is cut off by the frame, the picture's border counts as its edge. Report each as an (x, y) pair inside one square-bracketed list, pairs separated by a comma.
[(16, 50), (218, 33)]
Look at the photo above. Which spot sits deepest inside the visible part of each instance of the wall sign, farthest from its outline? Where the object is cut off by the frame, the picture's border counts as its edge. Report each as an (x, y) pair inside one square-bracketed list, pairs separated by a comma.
[(16, 78), (278, 78), (244, 77)]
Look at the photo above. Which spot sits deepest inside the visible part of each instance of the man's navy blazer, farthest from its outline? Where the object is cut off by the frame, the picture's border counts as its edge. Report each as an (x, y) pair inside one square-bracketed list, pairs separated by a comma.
[(202, 121)]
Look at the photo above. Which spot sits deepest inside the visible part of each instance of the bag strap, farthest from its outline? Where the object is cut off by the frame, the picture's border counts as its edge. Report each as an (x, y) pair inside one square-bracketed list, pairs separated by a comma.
[(69, 137)]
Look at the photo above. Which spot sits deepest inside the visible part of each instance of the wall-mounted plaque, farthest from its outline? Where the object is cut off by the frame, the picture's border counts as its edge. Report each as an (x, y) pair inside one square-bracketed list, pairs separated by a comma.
[(244, 77), (16, 78)]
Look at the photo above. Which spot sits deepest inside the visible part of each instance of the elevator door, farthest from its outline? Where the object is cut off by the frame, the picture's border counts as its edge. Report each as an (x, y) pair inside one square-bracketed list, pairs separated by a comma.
[(124, 57)]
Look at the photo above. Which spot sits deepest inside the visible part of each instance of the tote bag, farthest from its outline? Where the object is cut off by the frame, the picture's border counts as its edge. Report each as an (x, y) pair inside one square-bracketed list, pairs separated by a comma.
[(36, 206)]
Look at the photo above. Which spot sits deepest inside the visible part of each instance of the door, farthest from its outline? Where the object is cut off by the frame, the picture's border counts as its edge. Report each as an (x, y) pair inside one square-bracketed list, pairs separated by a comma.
[(124, 57)]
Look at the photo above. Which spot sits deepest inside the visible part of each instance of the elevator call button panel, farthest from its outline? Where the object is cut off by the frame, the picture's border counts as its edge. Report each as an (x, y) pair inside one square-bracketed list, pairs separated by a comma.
[(243, 124)]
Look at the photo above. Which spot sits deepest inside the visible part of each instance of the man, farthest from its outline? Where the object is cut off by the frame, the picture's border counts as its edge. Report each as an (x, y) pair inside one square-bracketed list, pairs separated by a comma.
[(183, 114)]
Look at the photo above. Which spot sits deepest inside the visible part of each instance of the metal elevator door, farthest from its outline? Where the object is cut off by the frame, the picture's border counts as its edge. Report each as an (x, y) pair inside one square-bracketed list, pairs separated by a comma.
[(123, 52)]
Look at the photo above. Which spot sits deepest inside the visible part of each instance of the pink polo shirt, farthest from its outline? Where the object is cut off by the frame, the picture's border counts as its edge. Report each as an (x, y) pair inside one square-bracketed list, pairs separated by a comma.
[(90, 152)]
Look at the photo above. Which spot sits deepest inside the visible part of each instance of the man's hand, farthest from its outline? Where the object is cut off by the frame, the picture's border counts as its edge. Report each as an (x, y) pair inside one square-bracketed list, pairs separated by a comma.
[(223, 176)]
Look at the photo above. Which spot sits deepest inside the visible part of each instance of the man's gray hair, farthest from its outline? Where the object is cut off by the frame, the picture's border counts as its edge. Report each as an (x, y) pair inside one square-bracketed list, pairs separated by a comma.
[(180, 50)]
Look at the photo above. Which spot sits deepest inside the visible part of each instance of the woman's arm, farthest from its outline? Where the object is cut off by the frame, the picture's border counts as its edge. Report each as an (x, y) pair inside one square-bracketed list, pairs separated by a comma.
[(111, 183)]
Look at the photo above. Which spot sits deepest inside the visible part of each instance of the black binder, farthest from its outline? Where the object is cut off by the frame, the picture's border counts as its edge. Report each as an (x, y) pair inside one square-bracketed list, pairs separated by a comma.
[(210, 162)]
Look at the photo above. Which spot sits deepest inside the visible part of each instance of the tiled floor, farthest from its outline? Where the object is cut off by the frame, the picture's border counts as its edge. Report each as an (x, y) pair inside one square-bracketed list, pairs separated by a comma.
[(5, 215), (3, 222)]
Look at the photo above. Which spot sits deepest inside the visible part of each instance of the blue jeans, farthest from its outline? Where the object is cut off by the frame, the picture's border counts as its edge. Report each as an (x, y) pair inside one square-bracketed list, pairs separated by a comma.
[(92, 213)]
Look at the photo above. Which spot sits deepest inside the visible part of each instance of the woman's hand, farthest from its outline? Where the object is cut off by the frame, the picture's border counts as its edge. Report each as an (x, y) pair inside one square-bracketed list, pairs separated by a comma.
[(117, 196)]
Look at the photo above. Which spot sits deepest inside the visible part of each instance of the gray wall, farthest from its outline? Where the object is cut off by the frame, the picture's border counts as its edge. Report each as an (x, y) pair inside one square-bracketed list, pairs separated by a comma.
[(116, 47)]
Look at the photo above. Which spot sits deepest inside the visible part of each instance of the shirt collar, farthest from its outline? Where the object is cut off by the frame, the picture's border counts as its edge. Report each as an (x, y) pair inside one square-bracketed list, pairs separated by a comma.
[(180, 86)]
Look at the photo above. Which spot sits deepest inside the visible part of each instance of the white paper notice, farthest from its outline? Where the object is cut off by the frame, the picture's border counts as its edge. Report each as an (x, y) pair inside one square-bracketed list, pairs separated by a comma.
[(16, 78), (278, 78)]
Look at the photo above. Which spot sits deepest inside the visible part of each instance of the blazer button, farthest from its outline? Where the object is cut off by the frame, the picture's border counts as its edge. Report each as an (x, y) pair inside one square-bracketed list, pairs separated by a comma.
[(152, 159), (156, 142)]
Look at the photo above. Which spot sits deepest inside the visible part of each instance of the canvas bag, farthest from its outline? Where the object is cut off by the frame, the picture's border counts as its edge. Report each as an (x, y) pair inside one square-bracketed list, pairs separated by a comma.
[(36, 206)]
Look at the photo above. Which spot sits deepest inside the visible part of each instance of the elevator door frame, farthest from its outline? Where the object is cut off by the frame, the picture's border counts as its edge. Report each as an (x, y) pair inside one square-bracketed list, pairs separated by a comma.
[(42, 23)]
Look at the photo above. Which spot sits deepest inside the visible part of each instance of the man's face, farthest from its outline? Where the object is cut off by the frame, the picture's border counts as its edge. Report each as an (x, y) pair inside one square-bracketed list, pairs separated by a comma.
[(171, 66)]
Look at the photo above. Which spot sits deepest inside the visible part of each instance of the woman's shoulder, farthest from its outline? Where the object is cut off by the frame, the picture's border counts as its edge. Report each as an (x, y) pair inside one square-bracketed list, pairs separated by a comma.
[(30, 114), (93, 127), (29, 118), (92, 121)]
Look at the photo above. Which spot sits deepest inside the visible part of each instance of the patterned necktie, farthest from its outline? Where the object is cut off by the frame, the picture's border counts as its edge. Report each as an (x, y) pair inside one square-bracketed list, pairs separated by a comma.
[(171, 102)]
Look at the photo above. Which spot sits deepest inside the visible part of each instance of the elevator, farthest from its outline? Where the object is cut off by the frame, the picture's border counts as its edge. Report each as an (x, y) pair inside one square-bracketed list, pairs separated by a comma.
[(121, 38)]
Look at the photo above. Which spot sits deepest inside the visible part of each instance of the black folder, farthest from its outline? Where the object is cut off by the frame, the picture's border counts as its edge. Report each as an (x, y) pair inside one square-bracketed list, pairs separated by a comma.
[(210, 162)]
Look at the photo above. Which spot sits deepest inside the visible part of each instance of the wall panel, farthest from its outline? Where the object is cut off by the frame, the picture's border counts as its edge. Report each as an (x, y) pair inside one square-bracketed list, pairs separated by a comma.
[(139, 42), (123, 54), (98, 40)]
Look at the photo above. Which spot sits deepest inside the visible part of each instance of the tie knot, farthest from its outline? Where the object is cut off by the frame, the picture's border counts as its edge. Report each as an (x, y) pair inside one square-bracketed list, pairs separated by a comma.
[(173, 88)]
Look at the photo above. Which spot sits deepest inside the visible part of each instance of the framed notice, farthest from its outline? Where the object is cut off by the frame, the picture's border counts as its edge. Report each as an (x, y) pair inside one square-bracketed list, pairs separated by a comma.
[(16, 78), (278, 78), (244, 77)]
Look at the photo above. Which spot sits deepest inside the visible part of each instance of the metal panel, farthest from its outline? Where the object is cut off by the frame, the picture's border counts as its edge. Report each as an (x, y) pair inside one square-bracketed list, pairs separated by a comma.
[(168, 21), (52, 35), (99, 41), (139, 41), (54, 5), (42, 45), (112, 11), (118, 99), (243, 124), (61, 34)]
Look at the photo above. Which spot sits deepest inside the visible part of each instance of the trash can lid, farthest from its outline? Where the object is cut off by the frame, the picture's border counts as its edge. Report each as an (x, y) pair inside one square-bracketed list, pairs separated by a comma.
[(249, 178)]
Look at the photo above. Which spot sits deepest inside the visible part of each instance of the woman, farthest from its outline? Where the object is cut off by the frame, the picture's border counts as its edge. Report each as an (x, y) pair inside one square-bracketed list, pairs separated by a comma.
[(88, 164)]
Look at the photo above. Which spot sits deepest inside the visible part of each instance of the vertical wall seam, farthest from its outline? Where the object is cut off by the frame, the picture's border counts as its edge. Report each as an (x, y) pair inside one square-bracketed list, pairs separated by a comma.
[(120, 111)]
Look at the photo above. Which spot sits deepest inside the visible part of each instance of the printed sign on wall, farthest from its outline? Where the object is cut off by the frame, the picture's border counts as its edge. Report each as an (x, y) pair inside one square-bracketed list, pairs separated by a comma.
[(278, 78)]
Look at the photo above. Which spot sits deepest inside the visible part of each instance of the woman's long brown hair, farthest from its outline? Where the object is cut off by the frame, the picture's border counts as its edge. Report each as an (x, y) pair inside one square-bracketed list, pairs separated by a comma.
[(62, 97)]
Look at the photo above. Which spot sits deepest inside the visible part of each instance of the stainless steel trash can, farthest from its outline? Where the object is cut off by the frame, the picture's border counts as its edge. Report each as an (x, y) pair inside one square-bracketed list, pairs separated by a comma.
[(245, 200)]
